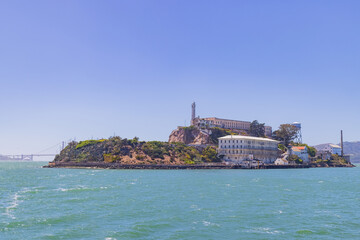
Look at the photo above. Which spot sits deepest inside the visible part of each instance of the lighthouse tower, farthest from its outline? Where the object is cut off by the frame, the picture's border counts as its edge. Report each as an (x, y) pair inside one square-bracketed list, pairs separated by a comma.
[(193, 109)]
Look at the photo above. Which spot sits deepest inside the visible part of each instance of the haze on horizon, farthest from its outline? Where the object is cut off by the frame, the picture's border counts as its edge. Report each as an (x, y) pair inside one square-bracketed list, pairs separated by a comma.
[(92, 69)]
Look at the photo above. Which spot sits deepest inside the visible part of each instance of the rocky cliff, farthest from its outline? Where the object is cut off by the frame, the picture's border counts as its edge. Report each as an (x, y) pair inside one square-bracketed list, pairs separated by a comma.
[(190, 135), (196, 136)]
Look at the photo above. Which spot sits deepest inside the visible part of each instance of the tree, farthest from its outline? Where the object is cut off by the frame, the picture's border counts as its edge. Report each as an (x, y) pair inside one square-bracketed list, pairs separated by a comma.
[(286, 133), (257, 129), (311, 151), (295, 158), (209, 154)]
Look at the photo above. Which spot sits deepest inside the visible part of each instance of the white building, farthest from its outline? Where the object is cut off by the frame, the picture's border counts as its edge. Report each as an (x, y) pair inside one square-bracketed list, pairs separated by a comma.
[(301, 152), (328, 147), (227, 123), (281, 161), (236, 148), (251, 164)]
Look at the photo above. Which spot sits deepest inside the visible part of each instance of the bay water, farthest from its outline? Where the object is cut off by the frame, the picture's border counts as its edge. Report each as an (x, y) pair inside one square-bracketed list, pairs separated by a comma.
[(41, 203)]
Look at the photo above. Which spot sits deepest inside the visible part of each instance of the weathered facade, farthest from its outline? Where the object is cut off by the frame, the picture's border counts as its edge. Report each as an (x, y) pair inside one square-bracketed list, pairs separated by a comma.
[(227, 123), (236, 148)]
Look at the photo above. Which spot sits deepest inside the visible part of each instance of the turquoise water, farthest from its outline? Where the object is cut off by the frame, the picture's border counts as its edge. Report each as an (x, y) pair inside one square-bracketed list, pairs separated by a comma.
[(38, 203)]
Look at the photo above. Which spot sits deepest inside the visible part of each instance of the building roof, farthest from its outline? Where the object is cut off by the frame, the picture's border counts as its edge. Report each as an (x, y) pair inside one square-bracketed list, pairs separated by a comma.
[(281, 159), (211, 118), (324, 146), (298, 148), (240, 137)]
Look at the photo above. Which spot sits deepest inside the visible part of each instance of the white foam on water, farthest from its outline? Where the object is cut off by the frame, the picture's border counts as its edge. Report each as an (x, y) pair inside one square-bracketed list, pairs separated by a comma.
[(13, 204), (264, 230), (195, 207), (77, 188), (15, 201), (71, 189), (206, 223)]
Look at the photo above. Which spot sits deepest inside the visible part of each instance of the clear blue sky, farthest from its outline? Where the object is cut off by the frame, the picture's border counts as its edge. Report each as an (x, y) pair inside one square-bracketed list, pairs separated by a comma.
[(89, 69)]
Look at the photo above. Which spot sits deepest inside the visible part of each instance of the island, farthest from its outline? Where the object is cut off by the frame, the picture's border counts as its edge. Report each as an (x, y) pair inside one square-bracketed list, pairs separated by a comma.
[(187, 148), (208, 143)]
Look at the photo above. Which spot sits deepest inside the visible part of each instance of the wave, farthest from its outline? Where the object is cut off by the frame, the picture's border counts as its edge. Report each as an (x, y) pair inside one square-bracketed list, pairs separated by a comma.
[(15, 201), (79, 189)]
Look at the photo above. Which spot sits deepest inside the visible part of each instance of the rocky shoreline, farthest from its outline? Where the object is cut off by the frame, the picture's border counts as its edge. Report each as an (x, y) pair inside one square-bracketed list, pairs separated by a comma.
[(104, 165)]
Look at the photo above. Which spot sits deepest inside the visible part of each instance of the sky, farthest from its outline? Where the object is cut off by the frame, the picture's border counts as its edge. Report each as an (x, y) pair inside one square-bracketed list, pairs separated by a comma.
[(86, 69)]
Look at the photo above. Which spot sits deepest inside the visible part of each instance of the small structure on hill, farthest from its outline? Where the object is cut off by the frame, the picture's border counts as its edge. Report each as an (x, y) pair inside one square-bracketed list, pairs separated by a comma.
[(301, 152), (281, 161)]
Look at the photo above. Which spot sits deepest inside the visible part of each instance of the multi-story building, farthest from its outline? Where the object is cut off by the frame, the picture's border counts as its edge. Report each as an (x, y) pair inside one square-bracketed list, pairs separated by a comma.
[(236, 148), (226, 123), (328, 147)]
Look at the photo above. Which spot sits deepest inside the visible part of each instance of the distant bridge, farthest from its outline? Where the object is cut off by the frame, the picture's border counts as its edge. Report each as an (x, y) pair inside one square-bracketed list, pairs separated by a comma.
[(30, 157), (24, 157)]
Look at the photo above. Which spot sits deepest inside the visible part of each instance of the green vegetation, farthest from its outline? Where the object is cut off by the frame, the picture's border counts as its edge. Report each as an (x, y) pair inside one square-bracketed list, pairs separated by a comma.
[(282, 147), (133, 151), (286, 133), (111, 158), (311, 150), (296, 159), (190, 128), (219, 132), (335, 160), (209, 154), (156, 149), (257, 129), (88, 142)]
